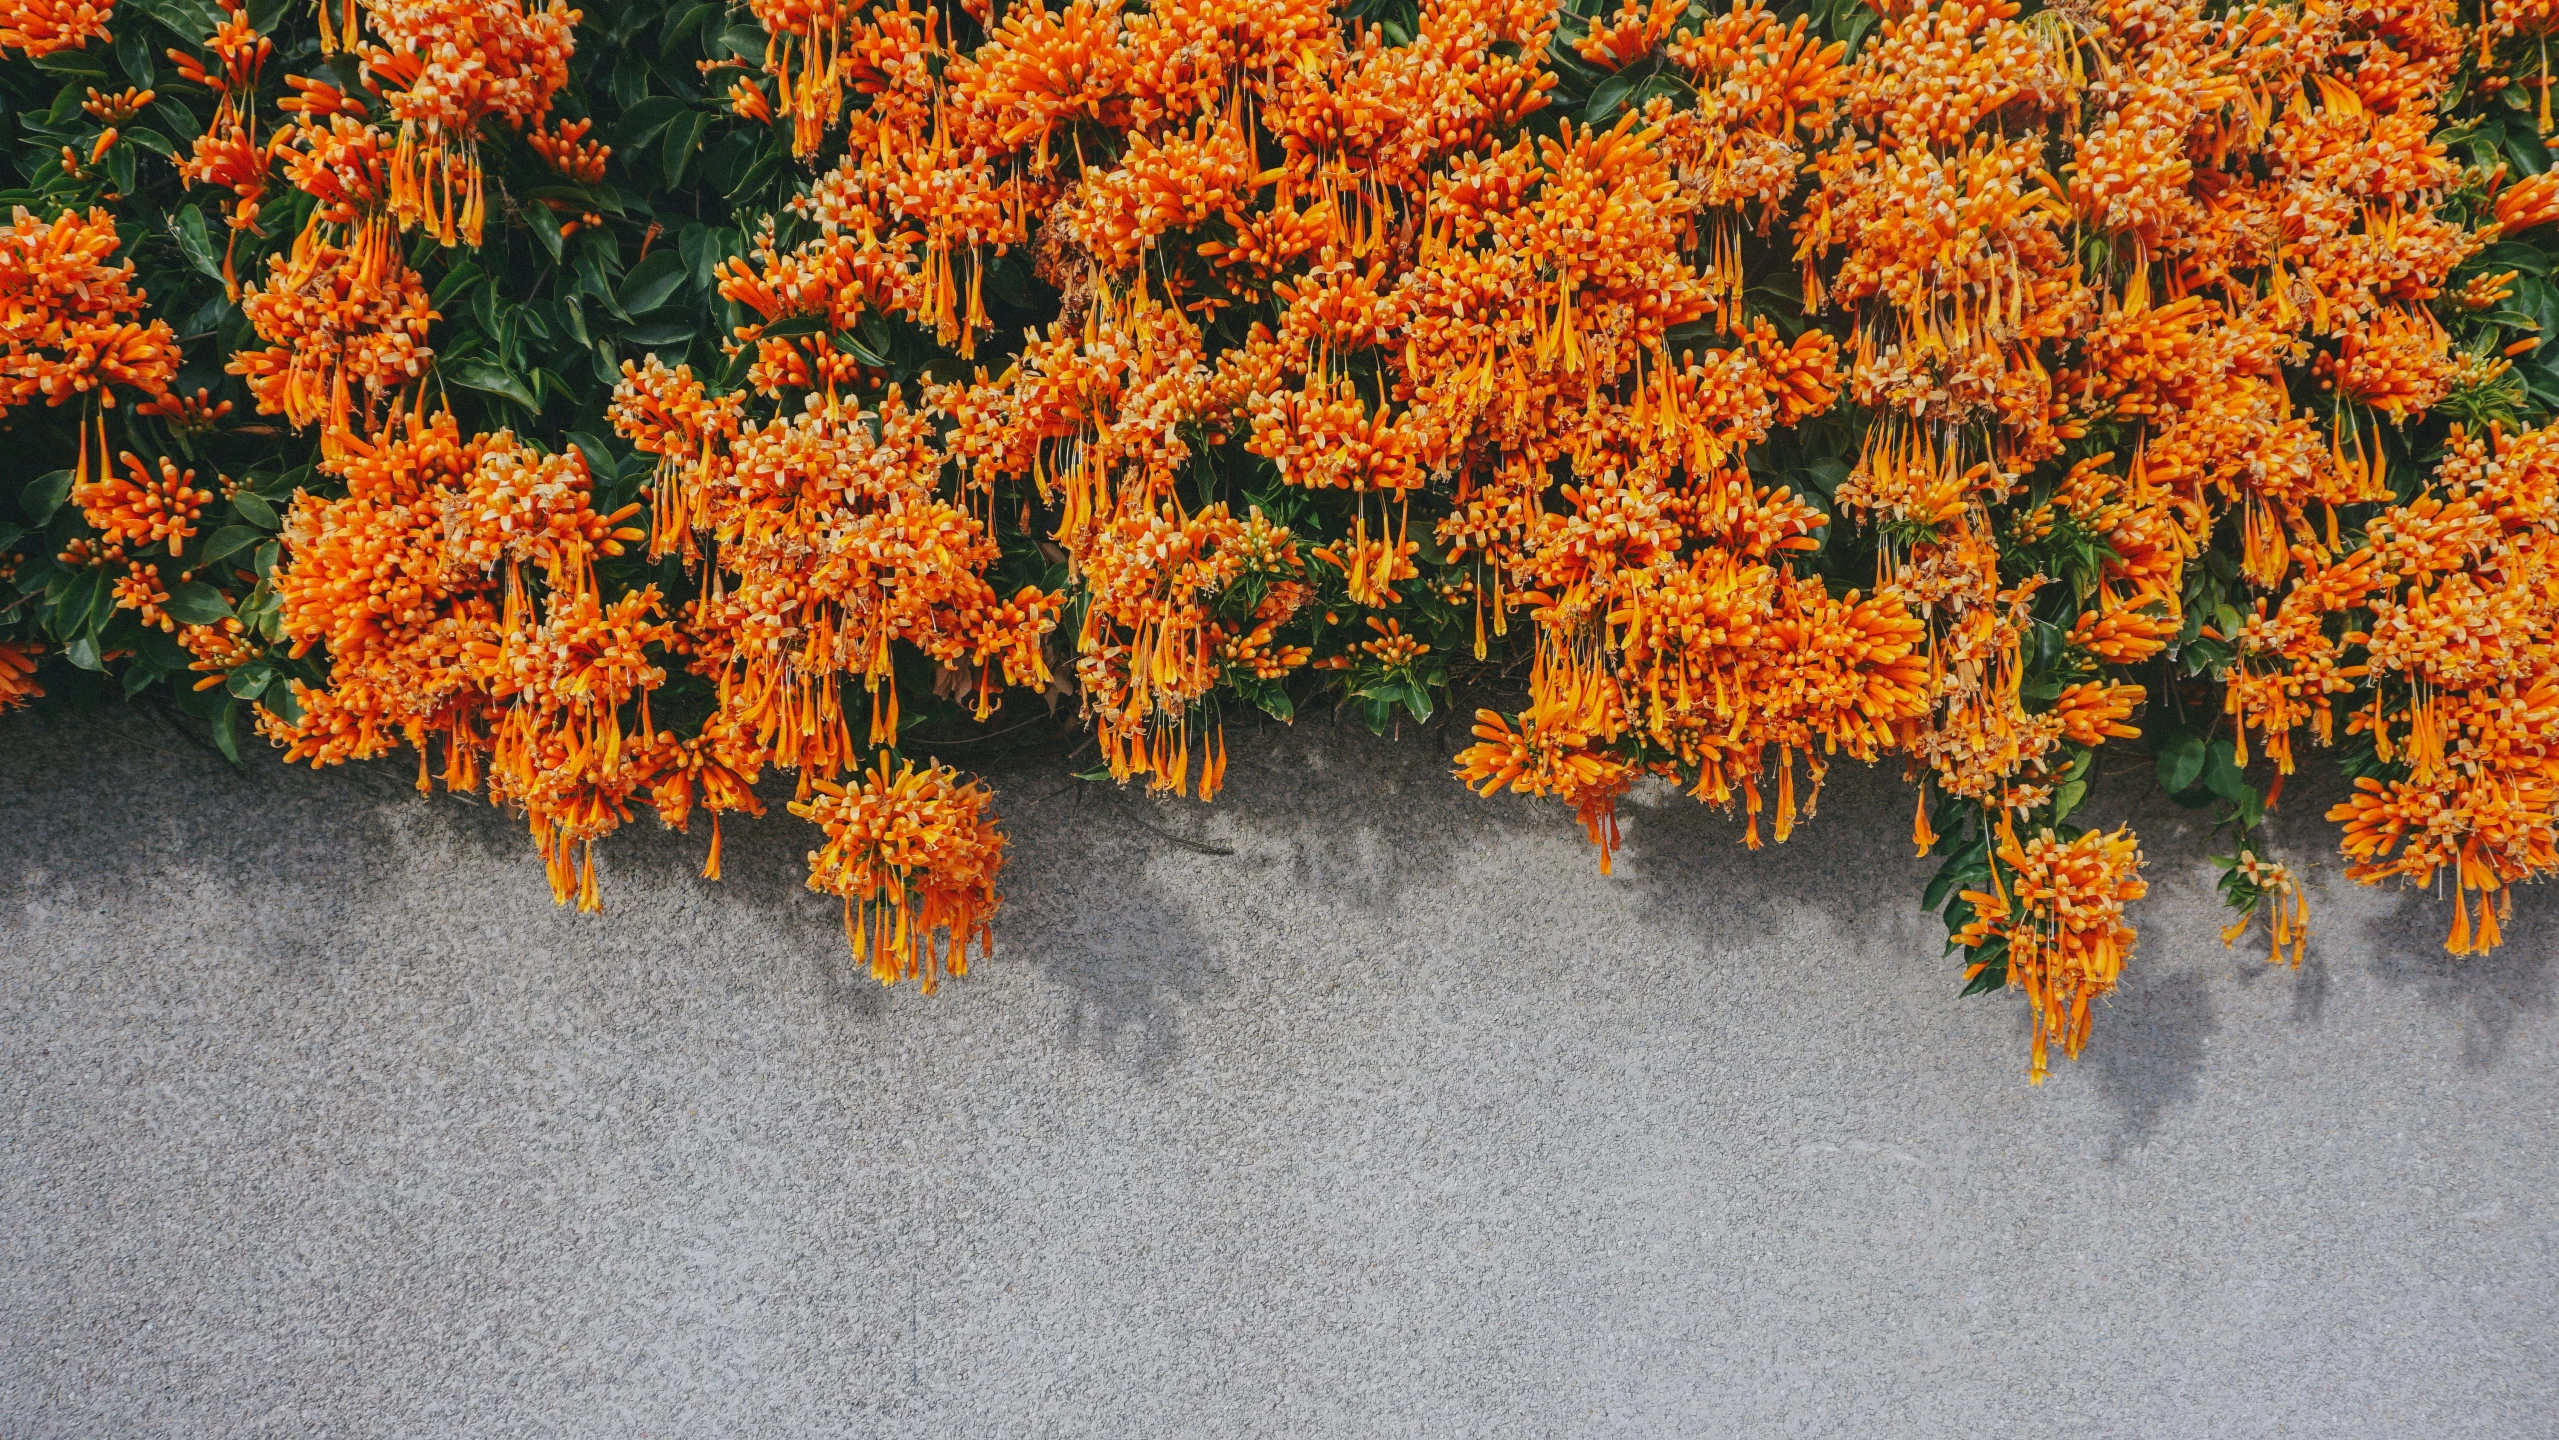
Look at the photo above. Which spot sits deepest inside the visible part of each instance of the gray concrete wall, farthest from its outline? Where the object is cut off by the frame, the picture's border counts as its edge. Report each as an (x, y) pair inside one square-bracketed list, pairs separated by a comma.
[(316, 1117)]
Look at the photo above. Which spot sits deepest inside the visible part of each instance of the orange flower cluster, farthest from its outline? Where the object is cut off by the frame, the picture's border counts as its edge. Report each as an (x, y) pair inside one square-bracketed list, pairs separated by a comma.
[(2054, 918), (69, 325), (912, 853), (139, 509), (454, 587), (17, 674), (829, 545), (2449, 661), (344, 317), (33, 28), (443, 67), (228, 155)]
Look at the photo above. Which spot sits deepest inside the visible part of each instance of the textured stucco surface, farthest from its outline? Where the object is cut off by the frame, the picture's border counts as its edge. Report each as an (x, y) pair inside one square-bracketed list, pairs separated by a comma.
[(316, 1117)]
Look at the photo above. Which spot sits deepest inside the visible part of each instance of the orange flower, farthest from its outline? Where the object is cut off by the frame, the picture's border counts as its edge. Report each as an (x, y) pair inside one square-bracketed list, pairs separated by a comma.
[(18, 673), (145, 509), (67, 325), (35, 28), (914, 854), (2054, 917)]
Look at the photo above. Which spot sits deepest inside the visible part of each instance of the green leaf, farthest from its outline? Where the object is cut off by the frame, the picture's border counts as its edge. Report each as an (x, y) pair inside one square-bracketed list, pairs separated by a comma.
[(195, 241), (665, 332), (196, 603), (490, 379), (188, 21), (680, 29), (653, 282), (702, 248), (1993, 959), (254, 509), (578, 197), (462, 278), (643, 121), (102, 607), (546, 229), (71, 603), (599, 456), (40, 499), (75, 63), (224, 543), (2181, 760), (847, 342), (2067, 798), (1607, 98), (226, 730), (2223, 778), (251, 680), (683, 137), (83, 652)]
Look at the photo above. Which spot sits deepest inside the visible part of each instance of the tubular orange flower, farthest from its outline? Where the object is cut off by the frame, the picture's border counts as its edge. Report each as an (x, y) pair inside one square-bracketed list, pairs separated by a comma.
[(914, 854), (67, 318), (34, 28), (2054, 915)]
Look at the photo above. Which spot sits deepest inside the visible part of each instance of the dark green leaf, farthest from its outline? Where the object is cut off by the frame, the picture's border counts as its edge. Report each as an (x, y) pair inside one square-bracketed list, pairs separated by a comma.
[(83, 652), (2223, 778), (1607, 98), (254, 509), (1993, 959), (2067, 798), (653, 281), (41, 498), (546, 230), (643, 121), (251, 680), (683, 137), (196, 603), (664, 332), (78, 64), (2181, 760), (226, 730), (196, 243), (490, 379)]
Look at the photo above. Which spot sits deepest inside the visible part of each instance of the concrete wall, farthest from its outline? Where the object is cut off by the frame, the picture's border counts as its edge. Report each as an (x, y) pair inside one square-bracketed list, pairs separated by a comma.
[(316, 1117)]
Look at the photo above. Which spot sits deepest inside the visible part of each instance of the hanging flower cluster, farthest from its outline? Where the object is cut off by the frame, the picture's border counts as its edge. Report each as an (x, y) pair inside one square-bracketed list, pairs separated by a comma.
[(442, 68), (71, 325), (33, 28), (1709, 393), (454, 587), (914, 855), (2054, 919)]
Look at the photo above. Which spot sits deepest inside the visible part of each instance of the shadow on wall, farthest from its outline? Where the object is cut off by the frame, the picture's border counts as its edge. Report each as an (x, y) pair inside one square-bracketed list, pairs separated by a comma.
[(1375, 826)]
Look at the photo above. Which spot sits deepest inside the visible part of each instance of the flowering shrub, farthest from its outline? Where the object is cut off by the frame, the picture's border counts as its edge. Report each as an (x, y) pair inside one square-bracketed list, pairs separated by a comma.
[(609, 406)]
